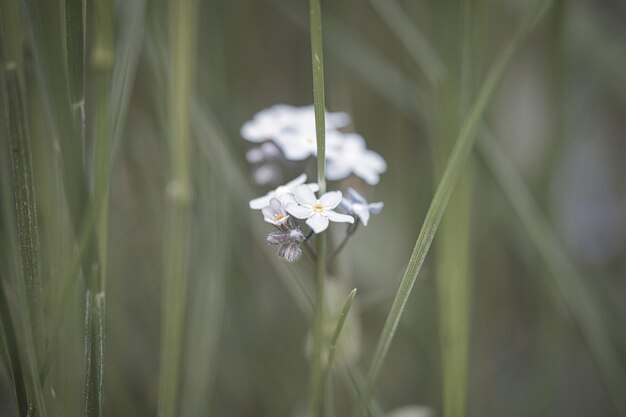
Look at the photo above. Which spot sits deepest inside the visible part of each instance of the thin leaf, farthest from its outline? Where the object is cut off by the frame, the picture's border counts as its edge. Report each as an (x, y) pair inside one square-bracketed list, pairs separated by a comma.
[(183, 15), (338, 328), (456, 163)]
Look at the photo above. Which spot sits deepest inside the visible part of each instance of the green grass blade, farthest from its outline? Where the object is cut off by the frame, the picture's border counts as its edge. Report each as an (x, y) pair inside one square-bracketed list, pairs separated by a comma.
[(182, 52), (102, 61), (337, 332), (570, 283), (454, 166), (317, 386), (11, 355)]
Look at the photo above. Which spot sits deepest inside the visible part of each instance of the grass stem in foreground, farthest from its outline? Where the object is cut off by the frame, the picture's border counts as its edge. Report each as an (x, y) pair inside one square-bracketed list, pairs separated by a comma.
[(454, 166)]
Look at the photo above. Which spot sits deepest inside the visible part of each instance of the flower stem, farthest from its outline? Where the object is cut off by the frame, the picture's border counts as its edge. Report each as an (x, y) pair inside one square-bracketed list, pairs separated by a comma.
[(316, 368), (349, 232)]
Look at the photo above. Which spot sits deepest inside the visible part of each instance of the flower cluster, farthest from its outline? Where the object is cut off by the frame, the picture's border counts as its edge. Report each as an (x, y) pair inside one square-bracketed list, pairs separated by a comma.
[(292, 131), (287, 134)]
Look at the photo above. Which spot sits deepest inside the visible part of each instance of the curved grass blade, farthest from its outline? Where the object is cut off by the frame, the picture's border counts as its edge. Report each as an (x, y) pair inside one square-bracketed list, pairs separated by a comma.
[(454, 166)]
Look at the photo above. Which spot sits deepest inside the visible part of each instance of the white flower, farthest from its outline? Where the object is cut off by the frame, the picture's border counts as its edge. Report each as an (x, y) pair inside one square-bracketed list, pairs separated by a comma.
[(354, 157), (275, 213), (357, 204), (318, 212), (284, 193), (274, 121), (299, 144)]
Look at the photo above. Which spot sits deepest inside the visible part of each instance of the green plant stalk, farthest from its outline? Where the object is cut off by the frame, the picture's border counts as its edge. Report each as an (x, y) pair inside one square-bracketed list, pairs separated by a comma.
[(75, 22), (22, 167), (569, 282), (179, 194), (316, 406), (102, 60), (453, 244), (26, 279), (13, 362), (337, 332), (453, 169)]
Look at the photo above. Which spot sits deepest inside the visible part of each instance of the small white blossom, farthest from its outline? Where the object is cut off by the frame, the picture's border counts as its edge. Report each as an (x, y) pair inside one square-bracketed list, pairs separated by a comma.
[(357, 204), (284, 193), (318, 212), (298, 144), (270, 123), (275, 213), (353, 157)]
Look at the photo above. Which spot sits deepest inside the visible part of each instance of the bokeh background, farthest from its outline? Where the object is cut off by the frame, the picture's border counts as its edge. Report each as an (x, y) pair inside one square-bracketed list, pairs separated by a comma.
[(526, 279)]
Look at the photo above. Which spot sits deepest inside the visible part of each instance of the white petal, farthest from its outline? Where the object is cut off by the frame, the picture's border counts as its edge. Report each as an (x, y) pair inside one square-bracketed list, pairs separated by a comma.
[(337, 170), (363, 213), (331, 199), (268, 213), (286, 198), (276, 205), (313, 187), (338, 217), (304, 195), (375, 208), (375, 161), (297, 211), (259, 203), (318, 223), (296, 181), (355, 196), (251, 131), (370, 176), (337, 119)]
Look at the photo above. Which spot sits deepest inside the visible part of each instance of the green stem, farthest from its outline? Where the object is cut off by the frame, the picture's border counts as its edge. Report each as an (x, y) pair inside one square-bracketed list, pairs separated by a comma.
[(317, 56), (179, 194), (102, 62)]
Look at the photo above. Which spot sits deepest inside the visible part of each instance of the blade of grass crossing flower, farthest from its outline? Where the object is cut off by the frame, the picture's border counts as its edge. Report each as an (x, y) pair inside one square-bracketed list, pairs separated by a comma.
[(316, 406), (571, 285), (182, 27), (454, 166)]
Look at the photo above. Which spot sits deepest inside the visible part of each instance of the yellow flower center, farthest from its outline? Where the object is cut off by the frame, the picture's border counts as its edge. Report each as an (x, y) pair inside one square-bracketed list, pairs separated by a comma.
[(278, 216), (318, 207)]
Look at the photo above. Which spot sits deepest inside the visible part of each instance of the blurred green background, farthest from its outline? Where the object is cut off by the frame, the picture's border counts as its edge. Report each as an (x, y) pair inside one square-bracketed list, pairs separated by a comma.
[(521, 297)]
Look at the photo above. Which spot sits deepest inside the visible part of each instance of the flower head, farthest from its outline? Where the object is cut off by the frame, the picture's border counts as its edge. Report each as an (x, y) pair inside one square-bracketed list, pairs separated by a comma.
[(275, 213), (318, 212), (353, 157), (358, 205), (271, 123), (283, 193)]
